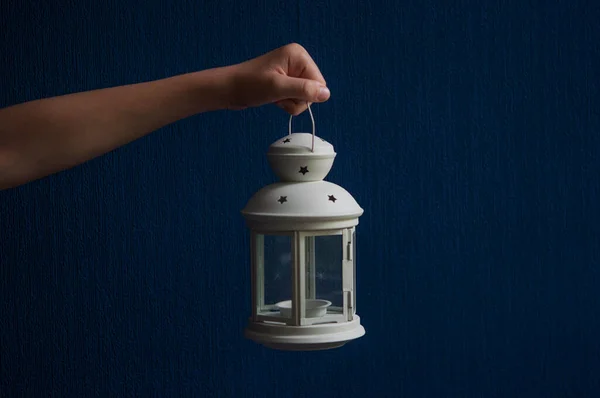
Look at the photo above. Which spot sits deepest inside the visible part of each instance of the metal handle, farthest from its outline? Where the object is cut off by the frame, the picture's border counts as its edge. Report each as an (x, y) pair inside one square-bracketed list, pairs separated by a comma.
[(312, 119)]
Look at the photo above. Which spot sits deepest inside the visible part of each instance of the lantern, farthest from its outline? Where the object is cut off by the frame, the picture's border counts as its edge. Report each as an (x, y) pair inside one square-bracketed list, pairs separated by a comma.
[(303, 251)]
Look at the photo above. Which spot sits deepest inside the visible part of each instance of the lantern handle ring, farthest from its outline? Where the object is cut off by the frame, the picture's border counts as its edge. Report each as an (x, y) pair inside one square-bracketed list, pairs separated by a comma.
[(312, 119)]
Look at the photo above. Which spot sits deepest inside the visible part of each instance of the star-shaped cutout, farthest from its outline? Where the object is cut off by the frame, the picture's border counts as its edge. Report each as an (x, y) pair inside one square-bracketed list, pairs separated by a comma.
[(332, 198), (286, 140), (282, 199), (303, 170)]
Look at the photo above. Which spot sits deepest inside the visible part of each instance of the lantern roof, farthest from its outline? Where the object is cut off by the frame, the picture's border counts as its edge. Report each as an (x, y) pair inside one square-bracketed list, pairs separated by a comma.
[(313, 203)]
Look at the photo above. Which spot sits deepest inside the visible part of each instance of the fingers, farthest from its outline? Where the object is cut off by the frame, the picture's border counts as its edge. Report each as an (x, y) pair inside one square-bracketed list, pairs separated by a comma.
[(287, 76), (301, 90), (303, 83)]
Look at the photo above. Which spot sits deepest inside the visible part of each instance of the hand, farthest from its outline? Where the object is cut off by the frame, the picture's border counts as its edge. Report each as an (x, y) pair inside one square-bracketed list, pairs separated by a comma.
[(287, 77)]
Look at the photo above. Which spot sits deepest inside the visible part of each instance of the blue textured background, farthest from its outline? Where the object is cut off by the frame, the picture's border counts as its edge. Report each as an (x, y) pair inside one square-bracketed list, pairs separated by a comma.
[(468, 130)]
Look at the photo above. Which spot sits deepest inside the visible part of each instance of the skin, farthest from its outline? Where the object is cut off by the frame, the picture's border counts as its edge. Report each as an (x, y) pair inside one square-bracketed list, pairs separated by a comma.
[(45, 136)]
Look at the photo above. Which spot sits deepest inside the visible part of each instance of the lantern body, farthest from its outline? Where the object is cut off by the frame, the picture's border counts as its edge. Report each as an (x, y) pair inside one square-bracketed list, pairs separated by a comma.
[(303, 252)]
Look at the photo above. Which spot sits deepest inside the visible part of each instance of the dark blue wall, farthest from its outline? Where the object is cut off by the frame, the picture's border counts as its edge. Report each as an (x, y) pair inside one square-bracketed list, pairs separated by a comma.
[(469, 132)]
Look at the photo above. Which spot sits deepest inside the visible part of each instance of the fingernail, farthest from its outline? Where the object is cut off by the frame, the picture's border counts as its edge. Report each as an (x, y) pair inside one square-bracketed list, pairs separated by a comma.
[(324, 94)]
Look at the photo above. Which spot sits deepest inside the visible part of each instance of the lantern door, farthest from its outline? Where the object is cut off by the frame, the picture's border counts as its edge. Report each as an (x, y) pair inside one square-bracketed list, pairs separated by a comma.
[(328, 275)]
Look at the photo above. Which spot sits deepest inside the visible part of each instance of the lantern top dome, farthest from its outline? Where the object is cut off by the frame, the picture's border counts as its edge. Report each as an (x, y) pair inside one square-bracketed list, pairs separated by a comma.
[(301, 157)]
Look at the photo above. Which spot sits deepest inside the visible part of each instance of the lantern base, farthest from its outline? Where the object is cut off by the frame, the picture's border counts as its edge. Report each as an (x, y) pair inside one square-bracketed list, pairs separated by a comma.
[(304, 338)]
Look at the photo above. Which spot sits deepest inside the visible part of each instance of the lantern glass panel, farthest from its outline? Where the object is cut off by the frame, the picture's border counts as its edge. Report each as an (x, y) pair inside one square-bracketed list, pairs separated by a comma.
[(324, 270), (277, 272)]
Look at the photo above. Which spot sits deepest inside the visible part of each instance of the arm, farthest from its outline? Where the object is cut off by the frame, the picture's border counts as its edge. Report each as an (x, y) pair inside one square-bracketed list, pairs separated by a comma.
[(45, 136)]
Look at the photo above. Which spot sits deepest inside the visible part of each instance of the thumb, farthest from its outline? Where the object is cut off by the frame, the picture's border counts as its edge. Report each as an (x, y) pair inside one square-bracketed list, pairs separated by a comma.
[(301, 89)]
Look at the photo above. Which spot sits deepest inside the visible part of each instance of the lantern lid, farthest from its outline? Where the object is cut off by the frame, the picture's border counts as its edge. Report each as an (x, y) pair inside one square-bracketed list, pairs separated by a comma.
[(301, 157), (306, 205), (292, 158)]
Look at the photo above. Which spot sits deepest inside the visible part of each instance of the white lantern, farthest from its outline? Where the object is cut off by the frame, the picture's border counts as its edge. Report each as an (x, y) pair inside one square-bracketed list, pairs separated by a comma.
[(303, 251)]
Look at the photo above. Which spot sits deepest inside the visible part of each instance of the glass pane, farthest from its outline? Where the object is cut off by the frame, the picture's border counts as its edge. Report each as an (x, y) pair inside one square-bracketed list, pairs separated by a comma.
[(324, 270), (277, 273)]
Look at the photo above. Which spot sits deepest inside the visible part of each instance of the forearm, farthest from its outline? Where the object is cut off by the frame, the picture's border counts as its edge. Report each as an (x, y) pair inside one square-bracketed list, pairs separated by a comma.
[(45, 136)]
